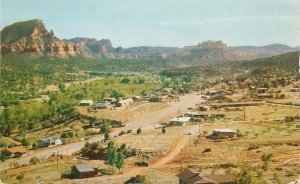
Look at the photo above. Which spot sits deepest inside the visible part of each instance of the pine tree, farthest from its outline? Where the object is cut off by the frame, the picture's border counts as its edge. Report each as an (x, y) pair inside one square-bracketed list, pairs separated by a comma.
[(266, 158), (111, 154), (119, 161)]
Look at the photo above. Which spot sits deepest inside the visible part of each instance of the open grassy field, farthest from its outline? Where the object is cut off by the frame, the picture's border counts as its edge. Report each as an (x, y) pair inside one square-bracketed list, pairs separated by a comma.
[(152, 139), (259, 113), (125, 114)]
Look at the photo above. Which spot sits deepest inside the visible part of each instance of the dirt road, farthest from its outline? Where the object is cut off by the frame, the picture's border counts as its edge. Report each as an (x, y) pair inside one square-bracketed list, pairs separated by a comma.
[(173, 152), (185, 102)]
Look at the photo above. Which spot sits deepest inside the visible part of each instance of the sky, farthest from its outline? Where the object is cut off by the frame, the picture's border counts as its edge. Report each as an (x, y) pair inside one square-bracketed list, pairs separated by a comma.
[(174, 23)]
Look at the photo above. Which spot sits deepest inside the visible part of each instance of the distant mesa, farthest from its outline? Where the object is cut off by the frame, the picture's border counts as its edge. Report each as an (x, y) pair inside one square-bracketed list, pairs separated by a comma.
[(32, 39), (94, 48), (212, 45)]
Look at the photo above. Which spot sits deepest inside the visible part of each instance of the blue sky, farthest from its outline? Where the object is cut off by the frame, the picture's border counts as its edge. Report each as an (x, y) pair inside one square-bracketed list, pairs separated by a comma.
[(164, 22)]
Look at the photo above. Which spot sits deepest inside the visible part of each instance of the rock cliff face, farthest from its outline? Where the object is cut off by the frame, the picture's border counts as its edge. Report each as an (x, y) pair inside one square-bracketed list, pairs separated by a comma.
[(31, 38), (96, 48)]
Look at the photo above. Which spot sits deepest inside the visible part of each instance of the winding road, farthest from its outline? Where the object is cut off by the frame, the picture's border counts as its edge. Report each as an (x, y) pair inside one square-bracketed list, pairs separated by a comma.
[(185, 102)]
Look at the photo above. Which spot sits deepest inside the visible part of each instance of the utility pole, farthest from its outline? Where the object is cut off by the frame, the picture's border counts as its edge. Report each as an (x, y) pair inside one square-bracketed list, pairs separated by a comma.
[(244, 113), (299, 72), (35, 145), (181, 159), (190, 145), (57, 159), (299, 62)]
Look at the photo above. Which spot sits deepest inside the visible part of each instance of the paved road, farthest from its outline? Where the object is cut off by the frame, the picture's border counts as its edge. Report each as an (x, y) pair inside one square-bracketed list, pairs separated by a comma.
[(185, 101), (285, 105)]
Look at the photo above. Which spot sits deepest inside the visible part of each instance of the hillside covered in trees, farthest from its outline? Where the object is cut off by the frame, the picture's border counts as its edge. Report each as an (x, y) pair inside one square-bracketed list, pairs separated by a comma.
[(284, 64)]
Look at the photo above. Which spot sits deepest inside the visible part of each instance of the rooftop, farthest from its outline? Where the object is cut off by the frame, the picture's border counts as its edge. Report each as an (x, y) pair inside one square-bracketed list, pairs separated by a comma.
[(237, 103), (86, 101), (183, 119), (191, 177), (50, 139), (191, 113), (84, 167), (227, 130)]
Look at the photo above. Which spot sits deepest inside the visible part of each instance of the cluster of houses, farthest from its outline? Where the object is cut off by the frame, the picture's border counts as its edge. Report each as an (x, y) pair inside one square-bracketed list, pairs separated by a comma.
[(18, 151), (263, 93), (49, 141), (82, 170), (203, 116), (221, 95), (221, 133), (216, 99), (105, 103), (163, 96), (108, 103), (216, 95)]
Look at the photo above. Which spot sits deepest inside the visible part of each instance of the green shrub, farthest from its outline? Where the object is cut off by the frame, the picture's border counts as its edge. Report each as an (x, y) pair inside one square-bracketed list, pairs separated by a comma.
[(129, 131), (259, 174), (239, 133), (20, 177), (25, 142), (34, 160), (139, 131), (122, 133), (136, 179)]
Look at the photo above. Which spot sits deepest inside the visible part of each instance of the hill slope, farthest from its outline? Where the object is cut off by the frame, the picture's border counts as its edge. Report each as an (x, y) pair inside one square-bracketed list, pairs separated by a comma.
[(264, 51)]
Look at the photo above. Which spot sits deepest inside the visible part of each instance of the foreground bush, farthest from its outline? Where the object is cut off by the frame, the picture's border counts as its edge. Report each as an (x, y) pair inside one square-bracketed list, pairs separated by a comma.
[(136, 179)]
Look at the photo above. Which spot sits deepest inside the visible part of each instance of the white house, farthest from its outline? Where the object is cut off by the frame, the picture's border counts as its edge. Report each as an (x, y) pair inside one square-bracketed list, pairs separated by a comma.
[(180, 121), (49, 141), (137, 98), (86, 103)]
